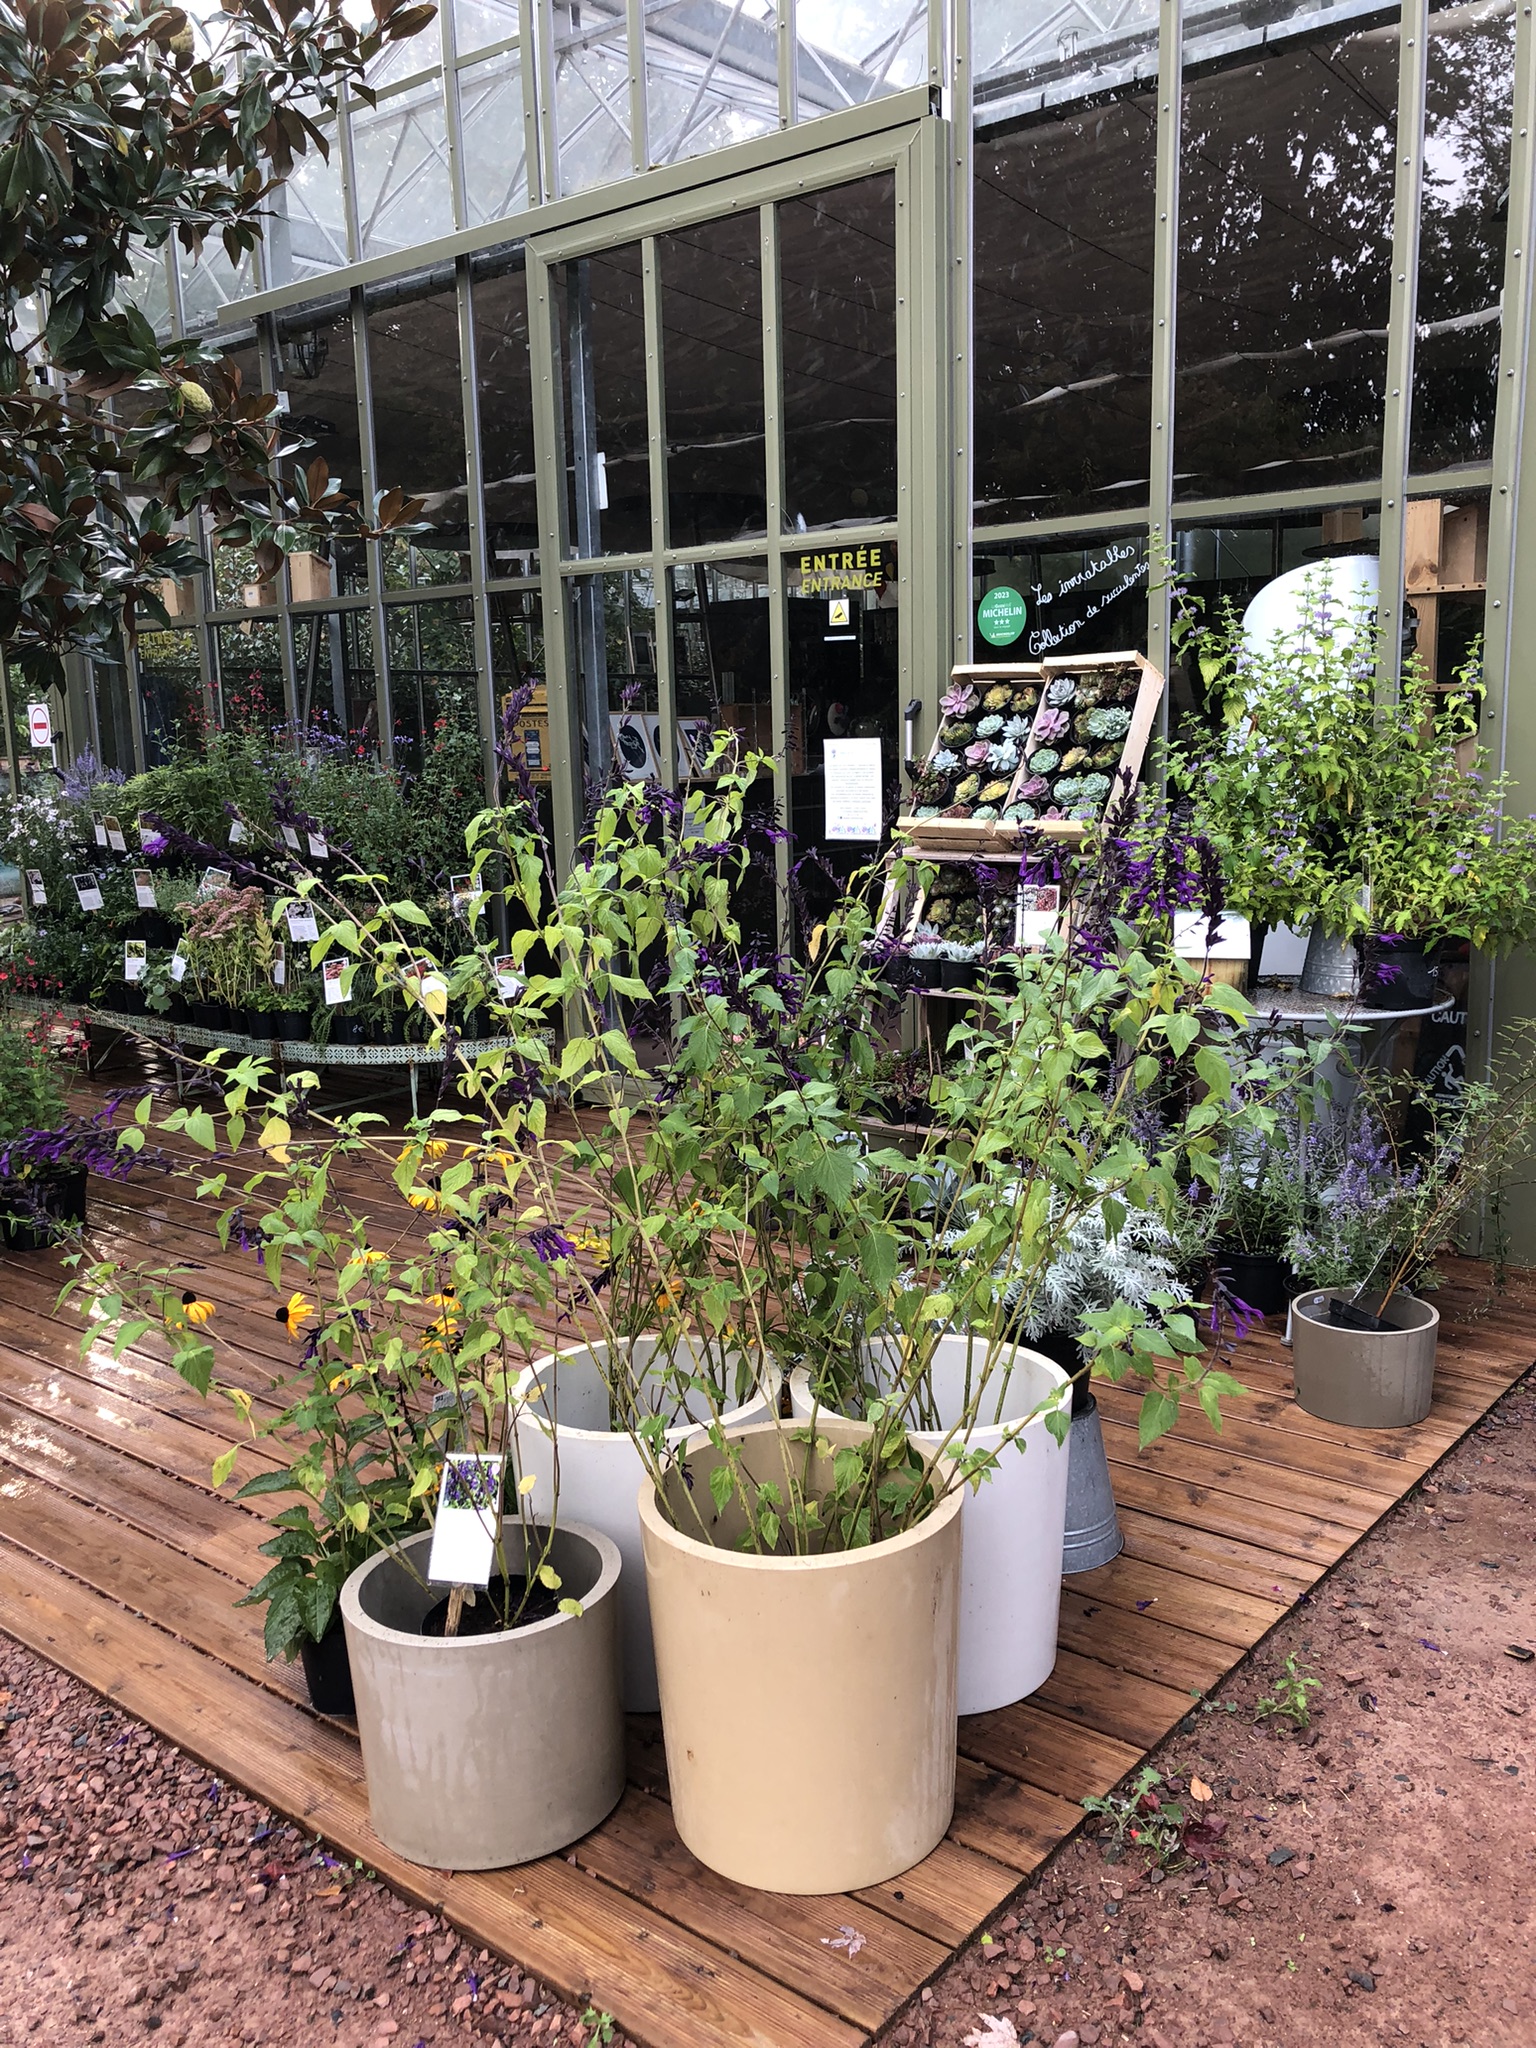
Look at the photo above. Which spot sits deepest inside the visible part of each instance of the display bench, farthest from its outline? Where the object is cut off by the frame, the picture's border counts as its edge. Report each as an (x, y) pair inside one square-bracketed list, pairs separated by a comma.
[(282, 1052)]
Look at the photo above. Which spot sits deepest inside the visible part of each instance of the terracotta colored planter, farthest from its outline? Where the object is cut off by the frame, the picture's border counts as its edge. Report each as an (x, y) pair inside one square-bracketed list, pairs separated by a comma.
[(1365, 1379), (852, 1654), (1010, 1582), (565, 1430), (482, 1751)]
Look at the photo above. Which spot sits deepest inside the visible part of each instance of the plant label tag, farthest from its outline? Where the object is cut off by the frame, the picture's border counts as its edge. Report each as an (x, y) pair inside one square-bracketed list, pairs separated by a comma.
[(178, 966), (468, 1520), (1195, 939), (99, 828), (317, 846), (144, 888), (88, 889), (144, 831), (40, 725), (214, 879), (290, 839), (279, 964), (1039, 912), (135, 959), (115, 840), (35, 884), (237, 832), (461, 894), (333, 978), (509, 982), (301, 923)]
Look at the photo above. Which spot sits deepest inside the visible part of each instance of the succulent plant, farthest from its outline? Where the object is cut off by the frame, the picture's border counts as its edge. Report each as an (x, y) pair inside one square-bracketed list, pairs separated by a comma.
[(965, 790), (985, 813), (926, 811), (1084, 810), (989, 727), (1074, 757), (1025, 698), (998, 698), (1096, 786), (1003, 758), (1017, 728), (1109, 722), (1021, 813), (954, 732), (1106, 757), (944, 762), (1044, 760), (1068, 789), (1061, 690), (958, 701), (1050, 725), (994, 792), (1090, 692), (1035, 787)]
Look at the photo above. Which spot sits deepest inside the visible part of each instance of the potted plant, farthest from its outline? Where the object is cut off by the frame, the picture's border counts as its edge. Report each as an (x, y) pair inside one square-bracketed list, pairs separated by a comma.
[(1260, 1201), (31, 1099)]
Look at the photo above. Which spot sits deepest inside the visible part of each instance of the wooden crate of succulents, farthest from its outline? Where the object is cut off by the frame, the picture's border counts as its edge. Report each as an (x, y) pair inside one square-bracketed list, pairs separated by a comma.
[(1041, 747)]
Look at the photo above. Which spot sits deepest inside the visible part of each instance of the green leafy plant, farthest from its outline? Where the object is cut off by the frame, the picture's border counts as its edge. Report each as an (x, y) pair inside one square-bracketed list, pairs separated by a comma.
[(602, 2024), (1140, 1817), (31, 1096), (1290, 1696)]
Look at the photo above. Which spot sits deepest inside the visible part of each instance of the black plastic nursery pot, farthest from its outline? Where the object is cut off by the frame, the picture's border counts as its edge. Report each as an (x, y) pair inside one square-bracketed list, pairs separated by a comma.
[(290, 1026), (1261, 1279), (328, 1671), (1398, 973), (61, 1197)]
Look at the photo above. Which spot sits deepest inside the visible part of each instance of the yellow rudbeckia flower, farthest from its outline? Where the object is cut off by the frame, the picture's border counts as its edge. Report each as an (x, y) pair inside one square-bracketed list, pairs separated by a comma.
[(296, 1314), (194, 1308)]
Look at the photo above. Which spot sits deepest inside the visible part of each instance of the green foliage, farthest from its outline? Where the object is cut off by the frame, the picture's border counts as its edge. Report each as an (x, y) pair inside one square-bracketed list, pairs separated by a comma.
[(1140, 1817), (1290, 1698), (31, 1097)]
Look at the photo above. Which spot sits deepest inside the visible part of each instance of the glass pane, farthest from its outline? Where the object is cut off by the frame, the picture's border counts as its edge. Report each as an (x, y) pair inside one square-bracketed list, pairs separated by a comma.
[(602, 321), (148, 287), (1461, 246), (1285, 268), (1064, 217), (838, 279), (419, 52), (210, 282), (712, 355), (319, 374), (849, 51), (334, 677), (614, 631), (1044, 52), (251, 695), (307, 234), (479, 23), (505, 379), (400, 149), (170, 694), (491, 124), (517, 663), (591, 94), (1089, 598), (418, 415), (707, 88), (432, 676)]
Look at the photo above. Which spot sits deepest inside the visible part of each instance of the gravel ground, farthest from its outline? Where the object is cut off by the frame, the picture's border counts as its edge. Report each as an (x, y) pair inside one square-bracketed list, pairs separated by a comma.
[(1366, 1880)]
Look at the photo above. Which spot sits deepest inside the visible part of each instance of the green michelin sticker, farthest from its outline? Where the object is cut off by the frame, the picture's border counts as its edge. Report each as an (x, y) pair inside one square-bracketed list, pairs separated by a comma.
[(1000, 616)]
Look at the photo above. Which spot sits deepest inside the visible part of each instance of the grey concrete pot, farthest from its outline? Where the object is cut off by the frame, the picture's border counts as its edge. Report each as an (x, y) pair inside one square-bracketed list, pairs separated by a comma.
[(487, 1750), (1365, 1379)]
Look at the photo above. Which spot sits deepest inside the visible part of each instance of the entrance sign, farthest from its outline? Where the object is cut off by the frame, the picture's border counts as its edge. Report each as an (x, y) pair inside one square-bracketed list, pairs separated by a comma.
[(854, 785), (1000, 616), (829, 571)]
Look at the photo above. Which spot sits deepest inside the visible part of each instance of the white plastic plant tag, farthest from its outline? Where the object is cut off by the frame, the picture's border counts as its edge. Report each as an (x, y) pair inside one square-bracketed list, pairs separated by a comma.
[(279, 964), (178, 966), (88, 889), (214, 879), (39, 892), (1193, 938), (509, 982), (144, 888), (115, 840), (301, 923), (135, 959), (332, 976), (99, 827), (468, 1520), (317, 846), (290, 839), (237, 832)]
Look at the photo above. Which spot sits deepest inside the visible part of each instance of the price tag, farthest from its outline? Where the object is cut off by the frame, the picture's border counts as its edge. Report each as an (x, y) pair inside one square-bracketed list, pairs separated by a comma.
[(333, 977), (468, 1520), (290, 838), (144, 888), (88, 889), (178, 966), (214, 879), (237, 833), (40, 725), (135, 959), (509, 982), (317, 846), (115, 839), (301, 922), (279, 965), (39, 893), (99, 827)]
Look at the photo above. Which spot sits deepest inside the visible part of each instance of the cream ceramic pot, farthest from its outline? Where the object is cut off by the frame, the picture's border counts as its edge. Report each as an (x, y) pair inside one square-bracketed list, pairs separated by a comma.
[(482, 1751), (1010, 1585), (564, 1427), (848, 1659)]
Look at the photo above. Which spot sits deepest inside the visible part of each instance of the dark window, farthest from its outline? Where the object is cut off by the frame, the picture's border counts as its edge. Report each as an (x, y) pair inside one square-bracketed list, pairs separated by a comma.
[(712, 352), (602, 320), (418, 419), (505, 382)]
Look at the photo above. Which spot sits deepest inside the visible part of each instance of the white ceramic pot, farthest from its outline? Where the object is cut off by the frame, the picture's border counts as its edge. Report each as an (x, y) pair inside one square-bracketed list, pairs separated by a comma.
[(599, 1475), (1010, 1580), (851, 1655), (483, 1751)]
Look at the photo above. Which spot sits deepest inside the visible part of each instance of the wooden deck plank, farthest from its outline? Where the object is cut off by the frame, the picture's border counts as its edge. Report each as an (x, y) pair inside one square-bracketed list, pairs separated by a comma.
[(1304, 1539), (1149, 1646), (1160, 1538), (1225, 1615), (1016, 1824), (947, 1895), (1225, 1470), (582, 1937), (1040, 1748), (1112, 1702)]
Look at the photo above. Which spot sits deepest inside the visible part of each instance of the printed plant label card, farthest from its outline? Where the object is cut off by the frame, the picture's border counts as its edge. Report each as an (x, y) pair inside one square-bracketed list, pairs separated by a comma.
[(144, 888), (214, 879), (333, 976), (301, 922), (99, 828), (35, 884), (178, 966), (115, 839), (509, 982), (88, 889), (237, 832), (468, 1520), (279, 964), (135, 959), (318, 848), (290, 838), (463, 895)]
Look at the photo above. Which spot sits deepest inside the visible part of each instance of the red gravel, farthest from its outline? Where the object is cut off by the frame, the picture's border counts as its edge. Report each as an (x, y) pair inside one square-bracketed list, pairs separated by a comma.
[(142, 1901), (1373, 1880)]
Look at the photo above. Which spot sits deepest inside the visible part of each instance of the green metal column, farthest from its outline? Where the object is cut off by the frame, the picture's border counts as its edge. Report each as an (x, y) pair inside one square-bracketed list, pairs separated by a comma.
[(925, 432), (1165, 296), (565, 762), (1412, 72)]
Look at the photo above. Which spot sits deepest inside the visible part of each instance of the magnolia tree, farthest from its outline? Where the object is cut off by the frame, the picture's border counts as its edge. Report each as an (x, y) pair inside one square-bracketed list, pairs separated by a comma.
[(123, 122)]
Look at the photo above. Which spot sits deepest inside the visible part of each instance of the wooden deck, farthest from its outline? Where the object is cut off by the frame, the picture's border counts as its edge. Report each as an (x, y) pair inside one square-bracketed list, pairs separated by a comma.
[(119, 1563)]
